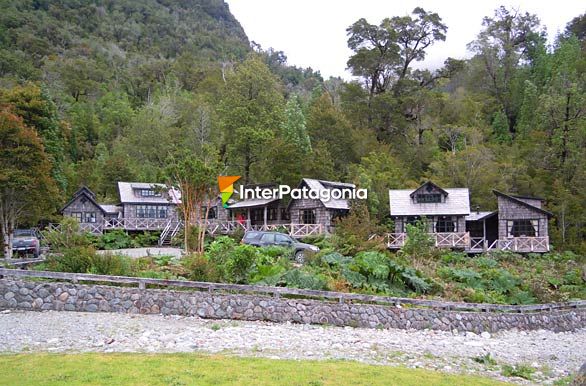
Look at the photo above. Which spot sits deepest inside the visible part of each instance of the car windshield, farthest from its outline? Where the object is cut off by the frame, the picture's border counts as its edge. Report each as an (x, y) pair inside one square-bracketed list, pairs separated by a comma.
[(24, 233), (251, 235)]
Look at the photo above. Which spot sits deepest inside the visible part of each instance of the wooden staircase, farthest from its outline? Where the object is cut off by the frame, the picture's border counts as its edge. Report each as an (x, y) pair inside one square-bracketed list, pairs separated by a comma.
[(169, 232)]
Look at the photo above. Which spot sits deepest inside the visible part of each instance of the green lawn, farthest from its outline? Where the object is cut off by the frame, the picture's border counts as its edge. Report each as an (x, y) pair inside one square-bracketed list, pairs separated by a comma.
[(195, 369)]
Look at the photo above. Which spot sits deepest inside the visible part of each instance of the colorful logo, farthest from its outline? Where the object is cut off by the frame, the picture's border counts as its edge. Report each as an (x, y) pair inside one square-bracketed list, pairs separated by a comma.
[(226, 184)]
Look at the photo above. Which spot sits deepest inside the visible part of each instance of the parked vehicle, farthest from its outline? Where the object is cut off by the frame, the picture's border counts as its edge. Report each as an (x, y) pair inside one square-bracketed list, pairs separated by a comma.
[(264, 239), (26, 241)]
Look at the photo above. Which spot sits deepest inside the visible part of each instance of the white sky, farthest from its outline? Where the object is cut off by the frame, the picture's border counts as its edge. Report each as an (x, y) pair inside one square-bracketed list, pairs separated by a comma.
[(312, 33)]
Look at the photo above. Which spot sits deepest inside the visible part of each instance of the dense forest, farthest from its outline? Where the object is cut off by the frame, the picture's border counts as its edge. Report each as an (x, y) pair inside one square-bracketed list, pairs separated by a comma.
[(105, 91)]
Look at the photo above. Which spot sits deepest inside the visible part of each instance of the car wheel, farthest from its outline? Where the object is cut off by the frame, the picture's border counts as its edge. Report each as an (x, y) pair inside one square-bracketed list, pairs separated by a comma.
[(299, 257)]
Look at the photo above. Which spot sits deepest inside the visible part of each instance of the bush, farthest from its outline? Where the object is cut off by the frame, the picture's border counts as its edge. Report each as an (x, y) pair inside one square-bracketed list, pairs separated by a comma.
[(109, 264), (115, 239), (145, 239), (419, 243), (68, 236), (233, 261), (74, 259), (199, 268), (298, 278), (86, 260)]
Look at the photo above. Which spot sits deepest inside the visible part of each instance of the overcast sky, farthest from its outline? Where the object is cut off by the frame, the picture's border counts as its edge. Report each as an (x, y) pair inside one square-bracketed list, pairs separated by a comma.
[(312, 33)]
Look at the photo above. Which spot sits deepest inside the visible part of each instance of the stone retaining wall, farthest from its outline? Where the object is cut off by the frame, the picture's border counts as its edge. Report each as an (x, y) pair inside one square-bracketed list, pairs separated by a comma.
[(29, 295)]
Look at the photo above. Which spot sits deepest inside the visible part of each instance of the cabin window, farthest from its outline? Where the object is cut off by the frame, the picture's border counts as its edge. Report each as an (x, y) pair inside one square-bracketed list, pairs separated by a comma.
[(89, 217), (211, 213), (411, 220), (84, 217), (273, 213), (148, 193), (523, 228), (445, 224), (151, 211), (284, 214), (308, 216), (428, 198)]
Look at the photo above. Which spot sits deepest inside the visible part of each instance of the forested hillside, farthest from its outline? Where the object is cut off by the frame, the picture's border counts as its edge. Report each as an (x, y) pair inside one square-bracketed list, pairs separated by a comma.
[(119, 90)]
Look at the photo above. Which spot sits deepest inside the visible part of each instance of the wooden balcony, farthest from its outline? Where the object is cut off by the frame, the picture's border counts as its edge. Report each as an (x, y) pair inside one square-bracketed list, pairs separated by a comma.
[(524, 244), (458, 240)]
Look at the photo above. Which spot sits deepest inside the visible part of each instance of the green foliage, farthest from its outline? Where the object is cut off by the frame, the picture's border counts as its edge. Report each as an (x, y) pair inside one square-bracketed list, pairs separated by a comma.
[(419, 243), (519, 370), (485, 359), (86, 260), (67, 236), (298, 278), (115, 239)]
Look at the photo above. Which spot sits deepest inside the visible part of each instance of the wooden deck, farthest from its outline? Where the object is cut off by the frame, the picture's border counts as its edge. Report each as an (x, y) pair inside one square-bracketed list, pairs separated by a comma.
[(476, 244), (457, 240)]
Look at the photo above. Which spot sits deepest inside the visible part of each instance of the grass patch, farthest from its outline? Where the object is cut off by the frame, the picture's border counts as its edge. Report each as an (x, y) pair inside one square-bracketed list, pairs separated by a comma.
[(189, 369), (519, 370)]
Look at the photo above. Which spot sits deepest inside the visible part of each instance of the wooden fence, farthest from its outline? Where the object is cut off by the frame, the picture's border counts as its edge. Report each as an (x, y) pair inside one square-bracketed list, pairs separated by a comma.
[(283, 291)]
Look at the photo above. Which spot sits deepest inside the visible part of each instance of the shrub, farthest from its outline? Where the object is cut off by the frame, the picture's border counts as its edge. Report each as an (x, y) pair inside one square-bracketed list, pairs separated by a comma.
[(298, 278), (145, 239), (199, 268), (233, 261), (352, 233), (74, 259), (86, 260), (109, 264), (115, 239), (419, 243), (68, 236)]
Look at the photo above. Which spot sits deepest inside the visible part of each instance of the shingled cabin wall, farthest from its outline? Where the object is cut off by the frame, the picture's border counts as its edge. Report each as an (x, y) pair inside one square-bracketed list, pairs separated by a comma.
[(510, 210), (82, 204), (322, 214)]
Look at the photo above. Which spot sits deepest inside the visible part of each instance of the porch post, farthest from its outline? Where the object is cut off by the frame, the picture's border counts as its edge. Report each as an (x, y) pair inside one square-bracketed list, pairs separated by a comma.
[(484, 241), (248, 221), (265, 217)]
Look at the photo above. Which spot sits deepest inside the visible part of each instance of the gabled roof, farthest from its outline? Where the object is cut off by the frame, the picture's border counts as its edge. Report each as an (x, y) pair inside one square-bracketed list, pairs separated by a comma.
[(522, 203), (88, 194), (323, 185), (127, 196), (431, 184), (457, 202)]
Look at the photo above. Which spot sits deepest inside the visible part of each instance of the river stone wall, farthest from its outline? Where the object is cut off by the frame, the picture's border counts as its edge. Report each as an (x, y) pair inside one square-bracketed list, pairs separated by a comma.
[(61, 296)]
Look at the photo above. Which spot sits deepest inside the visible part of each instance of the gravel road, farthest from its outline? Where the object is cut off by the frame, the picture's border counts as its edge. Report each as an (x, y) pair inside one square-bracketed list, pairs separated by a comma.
[(553, 355)]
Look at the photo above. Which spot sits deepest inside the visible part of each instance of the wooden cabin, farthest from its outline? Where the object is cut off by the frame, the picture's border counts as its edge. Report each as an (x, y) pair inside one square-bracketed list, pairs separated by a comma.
[(319, 214), (89, 213), (443, 210), (522, 223)]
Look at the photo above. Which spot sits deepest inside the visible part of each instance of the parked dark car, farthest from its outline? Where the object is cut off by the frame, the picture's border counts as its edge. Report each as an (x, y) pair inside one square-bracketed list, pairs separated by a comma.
[(264, 239), (26, 241)]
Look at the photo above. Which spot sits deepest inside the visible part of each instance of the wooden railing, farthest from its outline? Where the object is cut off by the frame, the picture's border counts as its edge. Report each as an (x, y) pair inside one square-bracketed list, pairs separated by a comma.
[(452, 240), (441, 240), (524, 244), (136, 223), (341, 297)]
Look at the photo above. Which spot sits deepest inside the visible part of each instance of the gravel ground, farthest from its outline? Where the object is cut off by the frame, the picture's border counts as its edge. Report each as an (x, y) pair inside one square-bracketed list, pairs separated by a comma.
[(553, 355)]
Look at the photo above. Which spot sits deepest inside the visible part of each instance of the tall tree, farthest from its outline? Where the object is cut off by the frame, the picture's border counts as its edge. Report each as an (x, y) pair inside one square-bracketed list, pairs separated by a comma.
[(38, 112), (251, 113), (508, 39), (27, 190), (294, 127)]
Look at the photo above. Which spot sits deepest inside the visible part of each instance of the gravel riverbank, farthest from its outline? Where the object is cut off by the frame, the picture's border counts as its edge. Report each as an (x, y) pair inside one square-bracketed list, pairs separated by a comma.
[(553, 355)]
